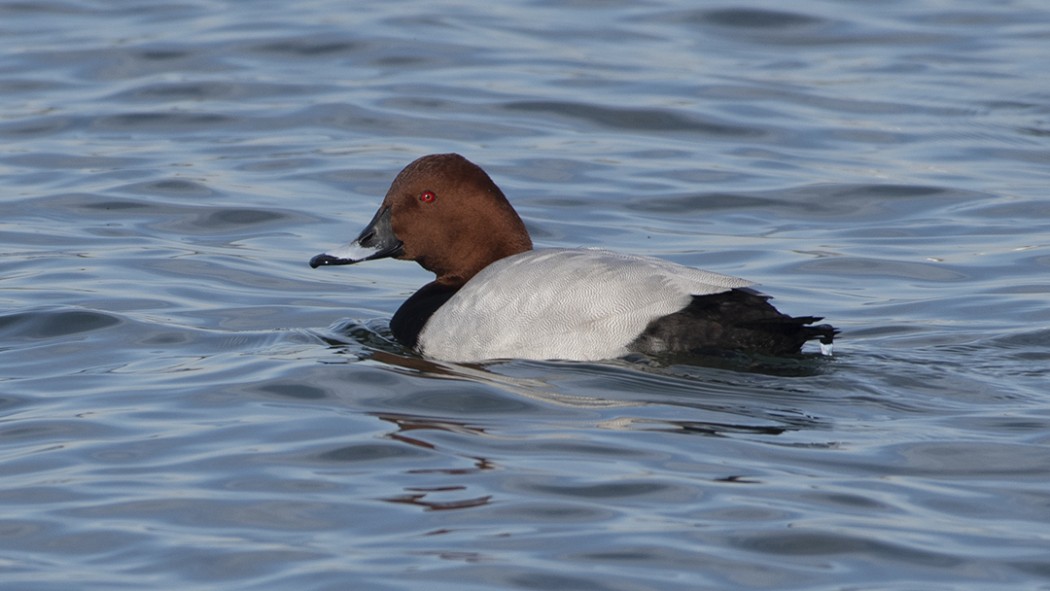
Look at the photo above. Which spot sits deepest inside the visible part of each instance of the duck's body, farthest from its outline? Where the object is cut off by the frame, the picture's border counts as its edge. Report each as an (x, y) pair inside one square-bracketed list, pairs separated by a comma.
[(558, 304), (495, 297)]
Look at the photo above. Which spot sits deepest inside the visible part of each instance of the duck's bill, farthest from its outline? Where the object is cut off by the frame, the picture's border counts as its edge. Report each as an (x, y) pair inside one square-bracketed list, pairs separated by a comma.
[(348, 254), (377, 241)]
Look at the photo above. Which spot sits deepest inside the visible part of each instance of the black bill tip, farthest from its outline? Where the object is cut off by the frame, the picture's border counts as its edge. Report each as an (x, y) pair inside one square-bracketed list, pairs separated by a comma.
[(324, 259)]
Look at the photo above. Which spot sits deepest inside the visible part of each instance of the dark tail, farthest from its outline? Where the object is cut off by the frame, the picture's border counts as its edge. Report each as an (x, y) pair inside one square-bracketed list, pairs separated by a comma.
[(736, 320), (824, 332)]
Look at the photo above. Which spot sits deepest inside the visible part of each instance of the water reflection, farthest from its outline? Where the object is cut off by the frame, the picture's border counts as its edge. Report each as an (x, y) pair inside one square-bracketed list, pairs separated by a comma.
[(420, 498)]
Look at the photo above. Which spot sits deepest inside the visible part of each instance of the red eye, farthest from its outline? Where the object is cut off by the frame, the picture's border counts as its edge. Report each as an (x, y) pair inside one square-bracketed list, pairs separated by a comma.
[(427, 196)]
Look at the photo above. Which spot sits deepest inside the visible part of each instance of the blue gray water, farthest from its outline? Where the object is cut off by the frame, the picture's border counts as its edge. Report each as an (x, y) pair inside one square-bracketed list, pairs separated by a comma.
[(185, 404)]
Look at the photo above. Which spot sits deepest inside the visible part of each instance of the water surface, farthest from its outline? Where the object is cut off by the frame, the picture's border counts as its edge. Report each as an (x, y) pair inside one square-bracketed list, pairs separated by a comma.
[(185, 404)]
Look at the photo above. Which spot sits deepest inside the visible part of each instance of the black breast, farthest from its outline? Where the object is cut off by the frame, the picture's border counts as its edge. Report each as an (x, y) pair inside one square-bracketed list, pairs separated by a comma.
[(412, 316)]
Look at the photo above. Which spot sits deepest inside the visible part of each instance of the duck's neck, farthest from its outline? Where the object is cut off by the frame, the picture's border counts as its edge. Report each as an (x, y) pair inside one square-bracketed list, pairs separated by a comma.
[(470, 263)]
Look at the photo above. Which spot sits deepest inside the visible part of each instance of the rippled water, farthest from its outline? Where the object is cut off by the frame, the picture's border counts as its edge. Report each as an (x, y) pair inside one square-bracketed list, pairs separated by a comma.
[(186, 405)]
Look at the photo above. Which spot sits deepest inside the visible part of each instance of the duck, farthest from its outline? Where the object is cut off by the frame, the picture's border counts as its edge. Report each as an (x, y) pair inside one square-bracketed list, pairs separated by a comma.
[(495, 297)]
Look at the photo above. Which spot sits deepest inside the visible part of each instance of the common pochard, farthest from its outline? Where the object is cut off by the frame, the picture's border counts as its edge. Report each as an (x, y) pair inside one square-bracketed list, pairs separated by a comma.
[(496, 297)]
